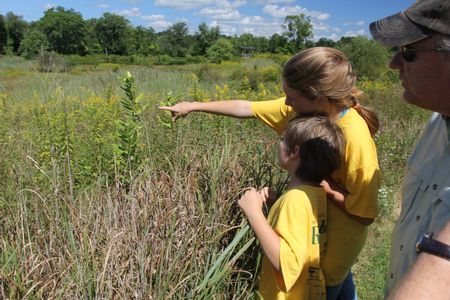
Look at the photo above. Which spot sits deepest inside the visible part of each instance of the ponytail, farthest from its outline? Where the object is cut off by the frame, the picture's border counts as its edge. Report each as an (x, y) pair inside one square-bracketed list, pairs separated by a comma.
[(368, 114)]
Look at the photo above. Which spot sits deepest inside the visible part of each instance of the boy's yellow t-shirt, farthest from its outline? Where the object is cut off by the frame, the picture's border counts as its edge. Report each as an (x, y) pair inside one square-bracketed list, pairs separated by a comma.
[(360, 176), (300, 219)]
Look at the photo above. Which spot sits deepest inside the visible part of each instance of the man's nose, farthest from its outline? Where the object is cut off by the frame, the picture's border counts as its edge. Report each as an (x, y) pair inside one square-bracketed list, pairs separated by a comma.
[(396, 61)]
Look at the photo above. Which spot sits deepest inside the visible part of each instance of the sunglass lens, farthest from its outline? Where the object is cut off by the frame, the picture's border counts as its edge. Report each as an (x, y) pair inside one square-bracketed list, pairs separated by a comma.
[(407, 54)]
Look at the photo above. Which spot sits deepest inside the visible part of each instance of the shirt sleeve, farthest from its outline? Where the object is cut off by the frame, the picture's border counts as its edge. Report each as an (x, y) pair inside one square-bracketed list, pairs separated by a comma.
[(362, 185), (292, 227), (273, 113)]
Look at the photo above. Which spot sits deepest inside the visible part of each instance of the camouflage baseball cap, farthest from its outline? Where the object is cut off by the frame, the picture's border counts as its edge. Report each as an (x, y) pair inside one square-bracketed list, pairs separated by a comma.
[(420, 20)]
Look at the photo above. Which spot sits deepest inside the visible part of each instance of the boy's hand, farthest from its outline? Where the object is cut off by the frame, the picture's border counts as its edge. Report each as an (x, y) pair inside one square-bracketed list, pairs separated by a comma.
[(251, 202), (268, 195), (178, 110)]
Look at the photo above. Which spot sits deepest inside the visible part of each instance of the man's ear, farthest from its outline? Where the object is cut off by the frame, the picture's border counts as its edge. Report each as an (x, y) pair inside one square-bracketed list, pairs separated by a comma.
[(295, 153)]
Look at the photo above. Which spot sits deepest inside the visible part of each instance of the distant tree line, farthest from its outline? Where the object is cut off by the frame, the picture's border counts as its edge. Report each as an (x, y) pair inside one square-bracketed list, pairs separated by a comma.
[(64, 31)]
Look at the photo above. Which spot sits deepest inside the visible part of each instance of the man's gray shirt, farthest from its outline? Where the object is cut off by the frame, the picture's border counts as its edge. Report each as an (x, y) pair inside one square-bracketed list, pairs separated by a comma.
[(425, 196)]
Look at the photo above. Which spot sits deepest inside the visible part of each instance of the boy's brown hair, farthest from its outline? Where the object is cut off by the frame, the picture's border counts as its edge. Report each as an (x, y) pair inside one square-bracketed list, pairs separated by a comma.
[(321, 145)]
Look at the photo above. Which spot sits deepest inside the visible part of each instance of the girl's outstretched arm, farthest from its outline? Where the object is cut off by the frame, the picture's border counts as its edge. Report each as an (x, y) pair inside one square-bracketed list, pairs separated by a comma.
[(231, 108), (251, 204)]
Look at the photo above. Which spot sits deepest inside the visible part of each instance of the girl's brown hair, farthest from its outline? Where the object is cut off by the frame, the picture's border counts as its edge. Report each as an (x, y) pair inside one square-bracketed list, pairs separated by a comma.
[(321, 146), (326, 72)]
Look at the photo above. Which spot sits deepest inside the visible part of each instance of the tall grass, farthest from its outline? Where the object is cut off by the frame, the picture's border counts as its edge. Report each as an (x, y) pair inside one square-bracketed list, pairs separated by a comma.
[(69, 229)]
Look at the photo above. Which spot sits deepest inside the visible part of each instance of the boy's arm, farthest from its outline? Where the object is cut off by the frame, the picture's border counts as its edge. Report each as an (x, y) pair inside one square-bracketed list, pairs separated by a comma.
[(337, 194), (251, 203), (231, 108)]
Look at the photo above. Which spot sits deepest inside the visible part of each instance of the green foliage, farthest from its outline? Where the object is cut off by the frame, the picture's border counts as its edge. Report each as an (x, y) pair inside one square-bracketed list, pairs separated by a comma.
[(16, 28), (174, 41), (52, 62), (113, 33), (277, 43), (324, 42), (65, 30), (196, 92), (143, 41), (172, 224), (205, 38), (3, 34), (368, 57), (129, 128), (33, 43), (221, 50), (245, 88), (297, 31), (165, 117)]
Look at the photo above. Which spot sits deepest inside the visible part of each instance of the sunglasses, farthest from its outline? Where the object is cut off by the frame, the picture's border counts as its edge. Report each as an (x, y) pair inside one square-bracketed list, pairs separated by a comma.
[(409, 54)]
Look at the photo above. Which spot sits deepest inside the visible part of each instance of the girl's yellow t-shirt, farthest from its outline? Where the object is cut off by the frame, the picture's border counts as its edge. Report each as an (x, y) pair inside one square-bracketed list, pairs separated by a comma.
[(360, 176), (300, 219)]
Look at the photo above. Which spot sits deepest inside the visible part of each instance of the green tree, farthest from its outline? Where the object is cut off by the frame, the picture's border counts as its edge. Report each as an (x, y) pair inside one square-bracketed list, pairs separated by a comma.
[(114, 33), (34, 42), (143, 41), (16, 27), (277, 43), (221, 50), (65, 30), (297, 31), (174, 41), (324, 42), (205, 38), (3, 34), (92, 43), (368, 57), (261, 44)]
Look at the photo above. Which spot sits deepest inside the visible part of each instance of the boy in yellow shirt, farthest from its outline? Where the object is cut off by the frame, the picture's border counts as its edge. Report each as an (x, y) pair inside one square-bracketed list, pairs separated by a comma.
[(294, 235)]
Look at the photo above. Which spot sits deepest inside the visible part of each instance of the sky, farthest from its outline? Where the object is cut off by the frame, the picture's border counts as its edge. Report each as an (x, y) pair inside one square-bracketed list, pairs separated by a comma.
[(330, 18)]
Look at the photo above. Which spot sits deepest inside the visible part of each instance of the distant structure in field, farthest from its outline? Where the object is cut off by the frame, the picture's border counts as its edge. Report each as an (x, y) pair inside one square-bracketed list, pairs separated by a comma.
[(247, 51)]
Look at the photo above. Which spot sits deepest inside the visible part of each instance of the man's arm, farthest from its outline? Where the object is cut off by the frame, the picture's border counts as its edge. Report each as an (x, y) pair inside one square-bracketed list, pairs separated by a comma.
[(231, 108), (429, 278)]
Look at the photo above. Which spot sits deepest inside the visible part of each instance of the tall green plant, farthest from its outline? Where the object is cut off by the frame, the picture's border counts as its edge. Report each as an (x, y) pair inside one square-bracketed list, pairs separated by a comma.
[(129, 128)]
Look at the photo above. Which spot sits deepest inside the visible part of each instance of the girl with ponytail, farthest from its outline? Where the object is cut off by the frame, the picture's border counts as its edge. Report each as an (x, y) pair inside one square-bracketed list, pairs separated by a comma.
[(320, 81)]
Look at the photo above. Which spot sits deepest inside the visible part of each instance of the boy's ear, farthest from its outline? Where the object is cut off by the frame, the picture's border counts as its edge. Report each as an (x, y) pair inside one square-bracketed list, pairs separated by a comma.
[(295, 152)]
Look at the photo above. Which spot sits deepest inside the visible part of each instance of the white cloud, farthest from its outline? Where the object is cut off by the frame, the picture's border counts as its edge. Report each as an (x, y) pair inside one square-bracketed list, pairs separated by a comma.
[(190, 4), (320, 26), (49, 5), (358, 23), (354, 33), (160, 25), (281, 12), (252, 20), (103, 6), (229, 4), (274, 1), (226, 29), (220, 13), (153, 18), (134, 12), (183, 4)]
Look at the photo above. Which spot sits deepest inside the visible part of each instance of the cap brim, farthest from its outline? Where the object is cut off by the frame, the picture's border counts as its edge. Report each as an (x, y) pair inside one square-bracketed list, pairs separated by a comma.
[(398, 30)]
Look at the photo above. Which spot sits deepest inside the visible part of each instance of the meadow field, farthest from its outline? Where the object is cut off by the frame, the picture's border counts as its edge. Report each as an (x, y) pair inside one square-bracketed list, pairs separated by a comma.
[(102, 197)]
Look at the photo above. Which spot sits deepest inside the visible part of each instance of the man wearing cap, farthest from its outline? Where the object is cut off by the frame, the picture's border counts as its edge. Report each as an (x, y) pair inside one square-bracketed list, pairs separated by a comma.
[(422, 33)]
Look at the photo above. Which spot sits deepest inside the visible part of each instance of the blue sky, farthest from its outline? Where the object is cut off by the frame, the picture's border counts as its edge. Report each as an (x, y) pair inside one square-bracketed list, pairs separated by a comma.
[(330, 18)]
